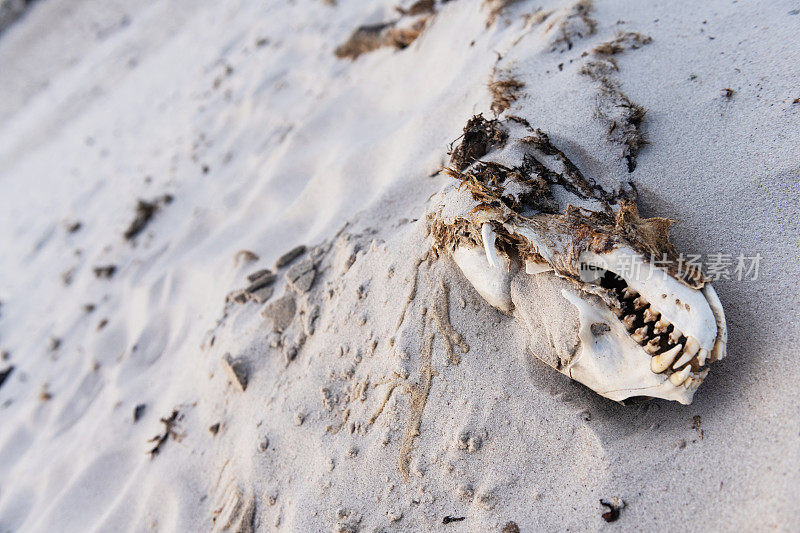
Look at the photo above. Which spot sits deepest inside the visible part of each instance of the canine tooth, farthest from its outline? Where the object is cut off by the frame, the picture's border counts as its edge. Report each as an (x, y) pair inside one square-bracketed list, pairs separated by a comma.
[(650, 315), (691, 346), (683, 359), (677, 378), (640, 334), (629, 321), (701, 356), (489, 236), (661, 362), (675, 335), (652, 346), (639, 303)]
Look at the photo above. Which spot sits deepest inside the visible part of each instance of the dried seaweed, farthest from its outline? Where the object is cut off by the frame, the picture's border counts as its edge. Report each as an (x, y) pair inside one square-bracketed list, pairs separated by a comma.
[(144, 213), (504, 93), (170, 425), (575, 24), (478, 138), (623, 117), (398, 34)]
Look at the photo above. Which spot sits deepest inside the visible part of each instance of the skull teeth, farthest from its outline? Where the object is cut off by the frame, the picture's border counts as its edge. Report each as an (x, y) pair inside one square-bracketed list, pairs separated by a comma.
[(640, 335), (658, 337), (661, 362), (653, 346), (677, 378), (687, 355)]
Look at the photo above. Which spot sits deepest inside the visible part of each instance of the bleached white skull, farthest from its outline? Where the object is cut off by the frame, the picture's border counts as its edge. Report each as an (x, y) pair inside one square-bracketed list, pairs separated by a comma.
[(599, 289)]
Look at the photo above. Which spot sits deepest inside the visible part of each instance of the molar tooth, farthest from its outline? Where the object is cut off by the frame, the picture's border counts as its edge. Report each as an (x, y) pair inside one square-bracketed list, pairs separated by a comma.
[(489, 237), (629, 320), (676, 335), (661, 326), (640, 334), (702, 355), (618, 311), (677, 378), (661, 362), (650, 315), (653, 346), (639, 303)]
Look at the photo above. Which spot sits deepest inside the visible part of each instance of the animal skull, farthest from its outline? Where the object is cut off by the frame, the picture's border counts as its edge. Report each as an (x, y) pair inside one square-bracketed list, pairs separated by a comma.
[(599, 289)]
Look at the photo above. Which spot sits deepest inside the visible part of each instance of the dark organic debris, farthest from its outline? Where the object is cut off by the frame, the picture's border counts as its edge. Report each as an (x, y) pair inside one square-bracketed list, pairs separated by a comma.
[(369, 38), (728, 92), (496, 8), (623, 41), (214, 428), (397, 34), (796, 101), (696, 426), (613, 505), (88, 308), (504, 93), (103, 323), (290, 256), (449, 519), (479, 136), (575, 24), (622, 117), (105, 272), (510, 527), (138, 411), (5, 373), (170, 425), (144, 213), (420, 7), (44, 394), (54, 343), (74, 226)]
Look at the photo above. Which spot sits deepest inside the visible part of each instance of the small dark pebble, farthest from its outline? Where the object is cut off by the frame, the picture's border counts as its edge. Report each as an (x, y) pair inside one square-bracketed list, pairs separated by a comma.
[(75, 226), (5, 373), (105, 272), (447, 519), (510, 527), (88, 308), (102, 324), (138, 411), (214, 429)]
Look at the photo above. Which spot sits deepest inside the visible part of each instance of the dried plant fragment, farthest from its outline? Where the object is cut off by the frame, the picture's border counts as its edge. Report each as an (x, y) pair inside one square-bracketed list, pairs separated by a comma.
[(622, 117), (504, 93), (144, 213), (397, 34), (479, 136)]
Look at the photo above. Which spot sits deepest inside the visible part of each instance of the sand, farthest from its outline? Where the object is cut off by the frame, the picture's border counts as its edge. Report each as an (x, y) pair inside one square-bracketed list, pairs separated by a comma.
[(368, 387)]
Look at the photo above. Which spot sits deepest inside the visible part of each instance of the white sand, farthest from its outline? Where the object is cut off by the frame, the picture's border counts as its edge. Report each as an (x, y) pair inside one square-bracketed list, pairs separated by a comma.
[(104, 103)]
